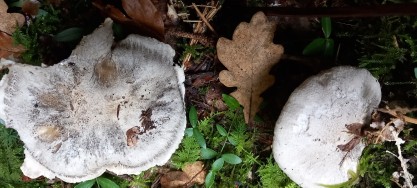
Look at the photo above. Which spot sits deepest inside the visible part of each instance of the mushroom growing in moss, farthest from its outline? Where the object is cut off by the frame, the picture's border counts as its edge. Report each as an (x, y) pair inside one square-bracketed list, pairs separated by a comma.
[(312, 126), (109, 106)]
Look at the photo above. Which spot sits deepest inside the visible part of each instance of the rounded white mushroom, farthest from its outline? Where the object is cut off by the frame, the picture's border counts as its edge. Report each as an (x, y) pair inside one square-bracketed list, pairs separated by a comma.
[(312, 125), (117, 107)]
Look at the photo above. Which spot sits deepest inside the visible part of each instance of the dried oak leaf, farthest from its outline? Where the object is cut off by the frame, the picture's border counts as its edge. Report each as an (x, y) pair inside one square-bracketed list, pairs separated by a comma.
[(9, 21), (141, 16), (249, 58)]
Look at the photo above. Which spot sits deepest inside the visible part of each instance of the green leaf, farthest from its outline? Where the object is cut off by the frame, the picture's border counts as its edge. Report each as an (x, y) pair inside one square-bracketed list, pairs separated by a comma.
[(189, 131), (328, 48), (193, 117), (221, 130), (232, 141), (207, 153), (326, 25), (86, 184), (231, 102), (106, 183), (315, 46), (69, 35), (210, 179), (199, 137), (217, 165), (415, 72), (231, 158)]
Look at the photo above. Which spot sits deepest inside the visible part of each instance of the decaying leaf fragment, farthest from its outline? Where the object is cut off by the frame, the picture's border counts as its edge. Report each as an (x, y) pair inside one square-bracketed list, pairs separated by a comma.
[(249, 58)]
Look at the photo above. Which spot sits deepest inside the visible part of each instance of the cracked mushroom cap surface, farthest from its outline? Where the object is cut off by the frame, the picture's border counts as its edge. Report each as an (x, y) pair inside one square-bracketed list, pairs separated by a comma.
[(313, 123), (109, 106)]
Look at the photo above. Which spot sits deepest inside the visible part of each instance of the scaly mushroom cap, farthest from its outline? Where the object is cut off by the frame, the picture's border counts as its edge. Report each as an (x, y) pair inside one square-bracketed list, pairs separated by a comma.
[(118, 108), (312, 125)]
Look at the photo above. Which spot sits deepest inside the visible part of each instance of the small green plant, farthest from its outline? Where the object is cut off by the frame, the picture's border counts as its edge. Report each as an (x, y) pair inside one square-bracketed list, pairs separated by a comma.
[(196, 51), (272, 176), (226, 146), (101, 181), (320, 45), (208, 153), (29, 36)]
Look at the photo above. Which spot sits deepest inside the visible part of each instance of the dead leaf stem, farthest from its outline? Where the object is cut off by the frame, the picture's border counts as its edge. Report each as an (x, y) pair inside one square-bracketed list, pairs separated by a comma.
[(400, 116)]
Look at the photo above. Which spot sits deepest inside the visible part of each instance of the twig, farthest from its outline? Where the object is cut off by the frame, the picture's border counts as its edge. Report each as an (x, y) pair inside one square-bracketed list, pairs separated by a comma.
[(192, 21), (394, 113), (203, 18), (208, 13)]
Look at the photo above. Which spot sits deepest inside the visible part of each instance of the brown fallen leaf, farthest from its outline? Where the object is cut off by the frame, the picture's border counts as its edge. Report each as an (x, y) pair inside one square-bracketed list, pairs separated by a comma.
[(141, 16), (196, 172), (8, 48), (249, 57), (193, 173), (174, 179), (9, 21)]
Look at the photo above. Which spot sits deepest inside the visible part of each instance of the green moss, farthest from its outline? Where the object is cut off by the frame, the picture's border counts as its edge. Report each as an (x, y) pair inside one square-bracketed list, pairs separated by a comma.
[(11, 157), (188, 152), (376, 166), (29, 36), (272, 176)]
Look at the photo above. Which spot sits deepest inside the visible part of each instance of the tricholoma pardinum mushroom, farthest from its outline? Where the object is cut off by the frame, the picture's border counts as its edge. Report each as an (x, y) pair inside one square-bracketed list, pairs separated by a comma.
[(117, 107), (312, 125)]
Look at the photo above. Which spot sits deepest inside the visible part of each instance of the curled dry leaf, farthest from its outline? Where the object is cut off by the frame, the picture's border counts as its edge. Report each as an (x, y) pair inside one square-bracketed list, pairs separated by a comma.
[(9, 21), (249, 58), (141, 16)]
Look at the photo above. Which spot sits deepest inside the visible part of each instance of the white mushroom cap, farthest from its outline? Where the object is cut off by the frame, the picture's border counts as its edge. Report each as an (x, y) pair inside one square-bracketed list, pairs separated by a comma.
[(118, 108), (312, 125)]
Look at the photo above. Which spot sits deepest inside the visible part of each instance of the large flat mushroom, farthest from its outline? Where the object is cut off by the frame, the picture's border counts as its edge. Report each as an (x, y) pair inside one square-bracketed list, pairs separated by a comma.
[(109, 106), (313, 124)]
